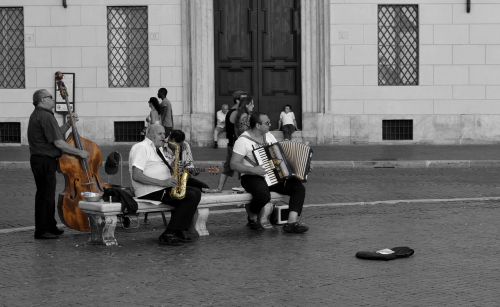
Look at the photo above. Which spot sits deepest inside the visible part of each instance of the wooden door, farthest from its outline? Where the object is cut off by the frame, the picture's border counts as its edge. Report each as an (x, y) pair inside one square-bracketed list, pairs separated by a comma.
[(257, 49)]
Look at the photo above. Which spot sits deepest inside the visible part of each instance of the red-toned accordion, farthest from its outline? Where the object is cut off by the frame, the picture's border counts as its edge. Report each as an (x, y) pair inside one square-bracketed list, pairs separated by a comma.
[(283, 160)]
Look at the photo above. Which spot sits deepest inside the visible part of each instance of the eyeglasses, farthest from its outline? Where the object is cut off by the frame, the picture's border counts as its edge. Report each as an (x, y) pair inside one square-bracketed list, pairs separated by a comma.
[(268, 123), (50, 96)]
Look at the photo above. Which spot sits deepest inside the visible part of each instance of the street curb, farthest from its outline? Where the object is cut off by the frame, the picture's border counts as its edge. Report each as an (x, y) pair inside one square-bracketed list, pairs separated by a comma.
[(337, 164)]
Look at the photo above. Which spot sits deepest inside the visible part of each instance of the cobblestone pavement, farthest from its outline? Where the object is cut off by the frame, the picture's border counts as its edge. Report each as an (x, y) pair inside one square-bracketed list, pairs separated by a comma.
[(321, 153), (455, 263), (17, 188)]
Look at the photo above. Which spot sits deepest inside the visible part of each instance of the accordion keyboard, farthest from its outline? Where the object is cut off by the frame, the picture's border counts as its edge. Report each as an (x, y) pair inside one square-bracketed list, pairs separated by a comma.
[(262, 159)]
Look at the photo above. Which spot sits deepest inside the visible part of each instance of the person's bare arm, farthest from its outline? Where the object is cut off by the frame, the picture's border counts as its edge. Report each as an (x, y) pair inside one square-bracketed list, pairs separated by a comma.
[(237, 165)]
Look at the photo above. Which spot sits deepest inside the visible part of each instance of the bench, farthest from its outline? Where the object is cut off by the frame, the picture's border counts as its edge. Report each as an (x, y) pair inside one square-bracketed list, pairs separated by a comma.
[(104, 215)]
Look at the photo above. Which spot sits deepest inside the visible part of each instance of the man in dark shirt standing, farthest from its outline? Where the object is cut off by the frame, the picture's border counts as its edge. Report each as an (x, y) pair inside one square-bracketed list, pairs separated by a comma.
[(46, 142), (166, 115)]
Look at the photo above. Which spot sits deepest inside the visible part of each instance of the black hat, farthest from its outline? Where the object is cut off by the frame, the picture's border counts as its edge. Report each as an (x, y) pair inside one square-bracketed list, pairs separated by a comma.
[(112, 163)]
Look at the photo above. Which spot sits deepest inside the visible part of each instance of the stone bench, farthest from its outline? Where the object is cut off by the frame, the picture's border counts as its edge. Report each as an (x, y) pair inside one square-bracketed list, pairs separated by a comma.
[(104, 215)]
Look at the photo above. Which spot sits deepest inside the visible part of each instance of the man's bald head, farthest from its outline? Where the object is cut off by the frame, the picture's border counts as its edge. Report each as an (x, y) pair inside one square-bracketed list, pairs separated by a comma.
[(154, 129)]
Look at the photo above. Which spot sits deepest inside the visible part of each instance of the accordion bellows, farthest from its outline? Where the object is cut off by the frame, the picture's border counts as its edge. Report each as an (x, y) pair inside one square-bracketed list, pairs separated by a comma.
[(283, 160), (299, 156)]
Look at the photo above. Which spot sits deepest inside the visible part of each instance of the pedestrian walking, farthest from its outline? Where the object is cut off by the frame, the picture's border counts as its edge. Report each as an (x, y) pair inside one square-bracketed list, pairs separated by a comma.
[(166, 115), (231, 137)]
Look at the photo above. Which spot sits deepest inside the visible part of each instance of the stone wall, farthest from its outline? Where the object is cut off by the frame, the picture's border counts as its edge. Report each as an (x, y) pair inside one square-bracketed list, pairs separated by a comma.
[(74, 39), (457, 99)]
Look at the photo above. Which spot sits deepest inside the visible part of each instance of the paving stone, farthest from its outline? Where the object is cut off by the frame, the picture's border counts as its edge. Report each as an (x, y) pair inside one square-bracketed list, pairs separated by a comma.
[(454, 263)]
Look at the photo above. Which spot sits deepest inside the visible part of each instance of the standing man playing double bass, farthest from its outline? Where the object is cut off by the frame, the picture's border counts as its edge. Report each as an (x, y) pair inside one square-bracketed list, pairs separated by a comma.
[(46, 143)]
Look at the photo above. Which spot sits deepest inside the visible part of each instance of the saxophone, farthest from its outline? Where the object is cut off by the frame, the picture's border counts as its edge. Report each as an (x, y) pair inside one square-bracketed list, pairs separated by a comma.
[(179, 191)]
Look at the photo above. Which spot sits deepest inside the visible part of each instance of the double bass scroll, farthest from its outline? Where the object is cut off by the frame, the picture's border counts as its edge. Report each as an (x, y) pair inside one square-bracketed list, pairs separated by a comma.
[(81, 175)]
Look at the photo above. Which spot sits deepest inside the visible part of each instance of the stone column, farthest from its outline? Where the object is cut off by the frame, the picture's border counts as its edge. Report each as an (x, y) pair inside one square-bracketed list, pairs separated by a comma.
[(198, 63), (315, 50)]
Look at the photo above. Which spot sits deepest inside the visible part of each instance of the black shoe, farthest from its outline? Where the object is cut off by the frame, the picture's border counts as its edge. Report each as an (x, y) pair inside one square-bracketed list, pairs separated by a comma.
[(56, 231), (183, 237), (295, 228), (215, 145), (169, 239), (254, 225), (46, 236)]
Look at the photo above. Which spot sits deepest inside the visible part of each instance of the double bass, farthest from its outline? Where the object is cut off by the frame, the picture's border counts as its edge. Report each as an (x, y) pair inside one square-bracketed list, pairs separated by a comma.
[(81, 175)]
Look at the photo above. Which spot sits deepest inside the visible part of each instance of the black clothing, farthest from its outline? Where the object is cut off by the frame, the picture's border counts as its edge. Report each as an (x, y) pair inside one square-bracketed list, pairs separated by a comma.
[(195, 183), (261, 192), (44, 170), (185, 208), (227, 164), (230, 134), (287, 131), (43, 130)]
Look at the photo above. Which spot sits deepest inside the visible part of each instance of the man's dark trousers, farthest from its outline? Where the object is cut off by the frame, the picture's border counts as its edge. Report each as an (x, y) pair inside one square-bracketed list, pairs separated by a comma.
[(44, 170), (185, 208)]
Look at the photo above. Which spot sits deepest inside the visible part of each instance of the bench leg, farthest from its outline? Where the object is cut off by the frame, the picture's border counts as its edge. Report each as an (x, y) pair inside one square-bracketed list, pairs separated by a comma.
[(200, 222), (102, 229)]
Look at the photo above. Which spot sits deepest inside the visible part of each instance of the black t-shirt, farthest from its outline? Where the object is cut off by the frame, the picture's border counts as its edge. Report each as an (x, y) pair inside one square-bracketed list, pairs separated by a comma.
[(230, 135), (43, 130)]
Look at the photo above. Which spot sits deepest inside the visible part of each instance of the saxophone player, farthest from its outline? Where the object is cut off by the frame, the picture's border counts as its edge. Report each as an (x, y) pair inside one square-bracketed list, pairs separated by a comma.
[(186, 158), (151, 172)]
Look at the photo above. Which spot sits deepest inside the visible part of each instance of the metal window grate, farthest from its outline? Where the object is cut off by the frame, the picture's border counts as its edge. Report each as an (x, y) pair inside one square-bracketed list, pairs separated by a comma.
[(12, 47), (397, 129), (398, 45), (128, 55), (10, 132), (129, 131)]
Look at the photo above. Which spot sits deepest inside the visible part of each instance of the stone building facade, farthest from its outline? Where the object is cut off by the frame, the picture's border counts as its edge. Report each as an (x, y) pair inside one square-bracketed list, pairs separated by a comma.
[(371, 71)]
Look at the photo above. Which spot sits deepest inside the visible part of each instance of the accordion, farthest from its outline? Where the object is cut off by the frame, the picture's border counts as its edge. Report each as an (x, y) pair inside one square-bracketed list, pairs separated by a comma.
[(283, 160)]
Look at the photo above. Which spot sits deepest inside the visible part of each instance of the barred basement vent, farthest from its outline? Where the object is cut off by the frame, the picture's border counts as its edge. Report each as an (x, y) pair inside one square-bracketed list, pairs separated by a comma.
[(130, 131), (10, 132), (397, 129)]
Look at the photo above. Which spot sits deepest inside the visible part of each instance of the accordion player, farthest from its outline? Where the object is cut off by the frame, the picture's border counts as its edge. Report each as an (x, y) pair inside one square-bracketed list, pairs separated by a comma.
[(283, 160)]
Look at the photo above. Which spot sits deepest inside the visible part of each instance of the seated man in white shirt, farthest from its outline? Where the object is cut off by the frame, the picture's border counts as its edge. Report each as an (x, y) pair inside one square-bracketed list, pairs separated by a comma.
[(221, 122), (252, 178), (152, 179)]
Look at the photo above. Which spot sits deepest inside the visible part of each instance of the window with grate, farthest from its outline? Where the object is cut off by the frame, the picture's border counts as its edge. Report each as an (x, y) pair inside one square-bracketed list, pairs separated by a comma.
[(10, 132), (128, 55), (129, 131), (398, 45), (397, 129), (11, 47)]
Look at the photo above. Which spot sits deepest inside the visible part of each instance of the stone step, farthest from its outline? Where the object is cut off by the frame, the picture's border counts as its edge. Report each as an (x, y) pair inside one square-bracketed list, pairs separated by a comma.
[(296, 137)]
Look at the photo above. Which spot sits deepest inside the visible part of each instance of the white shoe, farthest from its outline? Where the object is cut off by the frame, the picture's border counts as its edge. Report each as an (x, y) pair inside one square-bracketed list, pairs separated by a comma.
[(238, 189)]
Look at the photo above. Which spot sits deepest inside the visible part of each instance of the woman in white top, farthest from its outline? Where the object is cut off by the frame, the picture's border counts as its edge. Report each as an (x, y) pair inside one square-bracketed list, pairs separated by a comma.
[(287, 122), (154, 114)]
